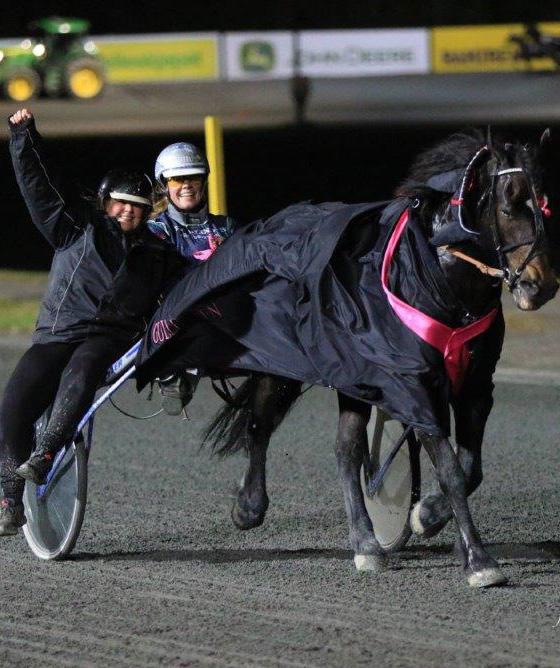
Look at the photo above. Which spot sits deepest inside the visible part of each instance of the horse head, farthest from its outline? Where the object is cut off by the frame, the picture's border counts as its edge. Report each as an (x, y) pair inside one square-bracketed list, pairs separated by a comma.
[(510, 209), (485, 203)]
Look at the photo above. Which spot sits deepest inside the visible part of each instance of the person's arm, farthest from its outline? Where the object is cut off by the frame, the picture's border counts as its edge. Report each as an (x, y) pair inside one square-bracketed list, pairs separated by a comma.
[(59, 221)]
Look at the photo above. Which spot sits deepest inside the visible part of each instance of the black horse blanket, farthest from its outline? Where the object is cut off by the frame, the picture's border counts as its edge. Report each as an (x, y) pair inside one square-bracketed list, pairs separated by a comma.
[(299, 295)]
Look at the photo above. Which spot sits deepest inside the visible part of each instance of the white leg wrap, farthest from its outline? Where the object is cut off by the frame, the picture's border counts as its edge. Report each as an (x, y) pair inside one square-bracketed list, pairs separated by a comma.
[(487, 577), (415, 523), (374, 563)]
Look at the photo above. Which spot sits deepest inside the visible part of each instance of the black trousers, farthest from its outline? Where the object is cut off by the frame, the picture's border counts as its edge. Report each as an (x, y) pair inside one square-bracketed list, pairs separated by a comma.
[(64, 375)]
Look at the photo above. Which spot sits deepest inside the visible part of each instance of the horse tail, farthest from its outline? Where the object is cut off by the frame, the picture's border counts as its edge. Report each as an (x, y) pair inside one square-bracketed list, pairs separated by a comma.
[(227, 431)]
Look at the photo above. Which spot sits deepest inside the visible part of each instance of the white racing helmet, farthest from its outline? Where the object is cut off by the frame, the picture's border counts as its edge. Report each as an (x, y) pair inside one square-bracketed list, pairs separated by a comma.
[(180, 159)]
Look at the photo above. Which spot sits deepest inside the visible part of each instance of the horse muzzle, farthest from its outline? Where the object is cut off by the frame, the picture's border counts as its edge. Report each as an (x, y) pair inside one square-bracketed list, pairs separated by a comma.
[(530, 295)]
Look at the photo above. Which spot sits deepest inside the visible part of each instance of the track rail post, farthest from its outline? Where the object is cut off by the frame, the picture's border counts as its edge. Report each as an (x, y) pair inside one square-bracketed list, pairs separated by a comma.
[(215, 152)]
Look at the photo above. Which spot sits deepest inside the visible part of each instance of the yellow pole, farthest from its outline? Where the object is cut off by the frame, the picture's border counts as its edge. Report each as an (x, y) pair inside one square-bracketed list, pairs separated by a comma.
[(215, 153)]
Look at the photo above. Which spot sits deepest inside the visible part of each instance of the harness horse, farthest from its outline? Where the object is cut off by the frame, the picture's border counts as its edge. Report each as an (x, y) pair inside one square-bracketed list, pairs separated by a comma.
[(481, 204), (488, 228)]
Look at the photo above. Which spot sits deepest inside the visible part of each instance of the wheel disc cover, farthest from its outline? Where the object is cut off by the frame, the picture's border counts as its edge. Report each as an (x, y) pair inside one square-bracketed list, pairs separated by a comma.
[(389, 509), (51, 518)]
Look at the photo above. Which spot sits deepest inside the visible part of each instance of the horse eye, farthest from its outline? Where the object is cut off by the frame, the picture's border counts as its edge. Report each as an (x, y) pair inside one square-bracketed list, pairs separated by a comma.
[(506, 212)]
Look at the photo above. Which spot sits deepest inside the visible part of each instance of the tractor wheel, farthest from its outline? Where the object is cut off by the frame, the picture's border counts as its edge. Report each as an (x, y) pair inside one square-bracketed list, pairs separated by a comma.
[(85, 78), (22, 84)]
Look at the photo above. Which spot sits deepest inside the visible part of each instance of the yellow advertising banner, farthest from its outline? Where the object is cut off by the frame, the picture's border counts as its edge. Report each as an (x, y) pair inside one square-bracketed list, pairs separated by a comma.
[(176, 59), (485, 48)]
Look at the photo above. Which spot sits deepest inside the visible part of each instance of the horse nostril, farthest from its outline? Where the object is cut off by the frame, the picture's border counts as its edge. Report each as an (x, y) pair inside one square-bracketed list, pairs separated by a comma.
[(530, 288)]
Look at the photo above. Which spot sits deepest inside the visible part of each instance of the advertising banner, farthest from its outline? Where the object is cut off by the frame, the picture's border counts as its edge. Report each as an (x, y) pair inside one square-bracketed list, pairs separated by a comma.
[(483, 48), (174, 57), (355, 53), (550, 36), (259, 55)]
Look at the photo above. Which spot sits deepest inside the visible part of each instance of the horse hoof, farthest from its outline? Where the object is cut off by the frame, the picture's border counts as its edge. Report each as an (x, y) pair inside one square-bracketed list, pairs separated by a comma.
[(421, 526), (370, 563), (487, 577), (246, 519)]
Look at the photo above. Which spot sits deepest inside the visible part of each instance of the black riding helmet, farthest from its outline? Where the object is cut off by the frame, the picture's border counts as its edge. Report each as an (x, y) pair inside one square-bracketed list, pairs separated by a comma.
[(127, 185)]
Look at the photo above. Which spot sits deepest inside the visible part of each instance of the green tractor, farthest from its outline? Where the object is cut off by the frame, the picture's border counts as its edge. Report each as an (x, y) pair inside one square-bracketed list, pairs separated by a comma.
[(58, 60)]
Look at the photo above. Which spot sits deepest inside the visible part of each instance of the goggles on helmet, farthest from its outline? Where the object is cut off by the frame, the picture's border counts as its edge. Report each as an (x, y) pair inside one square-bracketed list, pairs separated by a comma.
[(177, 181)]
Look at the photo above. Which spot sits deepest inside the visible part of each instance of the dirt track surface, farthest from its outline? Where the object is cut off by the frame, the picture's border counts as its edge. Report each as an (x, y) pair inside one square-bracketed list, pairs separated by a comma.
[(161, 577)]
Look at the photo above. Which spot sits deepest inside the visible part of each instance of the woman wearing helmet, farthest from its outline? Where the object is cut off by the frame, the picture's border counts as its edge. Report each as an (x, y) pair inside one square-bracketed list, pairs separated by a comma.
[(181, 172), (71, 349)]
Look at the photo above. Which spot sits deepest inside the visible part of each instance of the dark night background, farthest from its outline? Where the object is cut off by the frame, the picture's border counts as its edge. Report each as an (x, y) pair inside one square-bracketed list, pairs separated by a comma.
[(266, 169), (149, 16)]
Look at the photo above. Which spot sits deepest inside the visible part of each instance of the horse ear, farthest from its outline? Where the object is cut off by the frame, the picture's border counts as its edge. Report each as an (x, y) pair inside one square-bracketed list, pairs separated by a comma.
[(489, 138), (545, 138)]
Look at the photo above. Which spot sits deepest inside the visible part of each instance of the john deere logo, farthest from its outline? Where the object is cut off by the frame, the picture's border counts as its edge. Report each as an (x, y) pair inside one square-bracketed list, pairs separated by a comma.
[(257, 56)]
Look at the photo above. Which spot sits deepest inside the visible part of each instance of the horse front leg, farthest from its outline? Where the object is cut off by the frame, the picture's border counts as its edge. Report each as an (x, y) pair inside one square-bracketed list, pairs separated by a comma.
[(270, 402), (431, 514), (481, 569), (351, 446), (471, 408)]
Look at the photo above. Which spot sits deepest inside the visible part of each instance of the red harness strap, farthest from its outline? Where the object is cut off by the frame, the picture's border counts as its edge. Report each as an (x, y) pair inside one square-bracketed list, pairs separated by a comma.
[(451, 342)]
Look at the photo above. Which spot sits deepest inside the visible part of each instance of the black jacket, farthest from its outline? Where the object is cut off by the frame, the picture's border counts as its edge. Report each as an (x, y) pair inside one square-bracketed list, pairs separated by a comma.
[(89, 248), (301, 292)]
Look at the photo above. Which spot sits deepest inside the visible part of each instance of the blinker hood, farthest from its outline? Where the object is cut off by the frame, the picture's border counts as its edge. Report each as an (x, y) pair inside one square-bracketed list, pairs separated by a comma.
[(453, 231), (446, 182)]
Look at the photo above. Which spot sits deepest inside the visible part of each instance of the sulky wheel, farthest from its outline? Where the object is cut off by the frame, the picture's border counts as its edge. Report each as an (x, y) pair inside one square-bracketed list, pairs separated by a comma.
[(390, 508), (55, 513)]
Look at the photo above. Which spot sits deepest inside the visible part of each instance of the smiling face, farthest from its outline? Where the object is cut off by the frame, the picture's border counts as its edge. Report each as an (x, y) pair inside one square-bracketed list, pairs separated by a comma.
[(129, 215), (187, 193)]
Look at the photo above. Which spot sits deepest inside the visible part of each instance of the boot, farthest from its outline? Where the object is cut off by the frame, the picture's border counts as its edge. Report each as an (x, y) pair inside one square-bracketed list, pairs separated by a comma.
[(37, 467), (177, 391), (11, 517)]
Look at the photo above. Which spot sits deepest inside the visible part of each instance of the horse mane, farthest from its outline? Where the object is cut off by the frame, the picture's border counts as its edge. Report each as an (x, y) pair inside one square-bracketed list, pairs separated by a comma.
[(455, 152)]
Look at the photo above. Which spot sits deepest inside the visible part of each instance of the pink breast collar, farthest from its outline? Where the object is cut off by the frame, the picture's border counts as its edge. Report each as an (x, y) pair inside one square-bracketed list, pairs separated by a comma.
[(450, 342)]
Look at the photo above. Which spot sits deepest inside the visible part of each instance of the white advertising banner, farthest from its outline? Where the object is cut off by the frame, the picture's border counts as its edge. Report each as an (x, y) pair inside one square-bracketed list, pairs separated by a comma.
[(259, 55), (349, 53)]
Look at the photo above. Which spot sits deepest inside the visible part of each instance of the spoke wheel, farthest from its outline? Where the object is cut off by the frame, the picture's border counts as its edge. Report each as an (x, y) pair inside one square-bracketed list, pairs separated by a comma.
[(390, 508)]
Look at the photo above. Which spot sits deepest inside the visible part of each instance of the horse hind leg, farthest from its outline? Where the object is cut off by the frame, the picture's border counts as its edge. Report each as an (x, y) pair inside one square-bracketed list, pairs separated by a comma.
[(351, 445), (271, 400), (480, 568)]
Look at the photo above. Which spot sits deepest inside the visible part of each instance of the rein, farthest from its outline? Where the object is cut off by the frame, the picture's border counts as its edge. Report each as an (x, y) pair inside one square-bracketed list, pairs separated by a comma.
[(481, 266)]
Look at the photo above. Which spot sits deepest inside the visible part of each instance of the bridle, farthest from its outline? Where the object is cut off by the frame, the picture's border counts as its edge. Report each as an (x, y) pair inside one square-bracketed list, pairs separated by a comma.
[(538, 243)]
